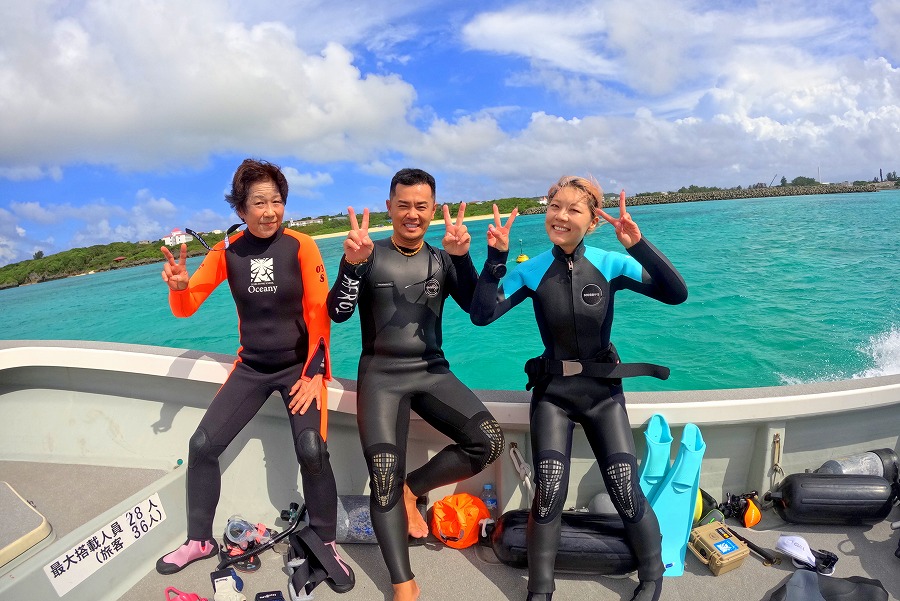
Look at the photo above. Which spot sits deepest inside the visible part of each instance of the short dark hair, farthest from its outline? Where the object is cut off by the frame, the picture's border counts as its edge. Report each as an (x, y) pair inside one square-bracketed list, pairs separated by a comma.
[(412, 177), (250, 172)]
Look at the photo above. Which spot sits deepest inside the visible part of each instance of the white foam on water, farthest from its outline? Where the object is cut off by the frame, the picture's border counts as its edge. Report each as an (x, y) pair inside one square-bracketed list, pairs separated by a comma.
[(884, 349)]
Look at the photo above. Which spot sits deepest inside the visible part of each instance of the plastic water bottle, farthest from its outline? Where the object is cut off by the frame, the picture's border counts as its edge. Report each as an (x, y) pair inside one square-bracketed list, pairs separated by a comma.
[(490, 500)]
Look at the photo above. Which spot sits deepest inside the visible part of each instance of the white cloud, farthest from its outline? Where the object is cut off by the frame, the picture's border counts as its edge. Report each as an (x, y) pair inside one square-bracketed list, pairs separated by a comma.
[(30, 172), (651, 94), (147, 89), (207, 220), (376, 23), (10, 237), (305, 184), (842, 118), (886, 31), (34, 211), (714, 95), (556, 38), (98, 222)]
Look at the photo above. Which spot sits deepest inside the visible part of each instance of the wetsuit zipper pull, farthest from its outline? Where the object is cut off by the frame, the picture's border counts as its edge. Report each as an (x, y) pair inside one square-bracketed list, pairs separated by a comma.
[(571, 264)]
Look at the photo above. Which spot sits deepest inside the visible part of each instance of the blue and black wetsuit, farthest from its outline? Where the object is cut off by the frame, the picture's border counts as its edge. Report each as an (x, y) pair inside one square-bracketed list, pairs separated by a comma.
[(402, 367), (573, 303), (280, 288)]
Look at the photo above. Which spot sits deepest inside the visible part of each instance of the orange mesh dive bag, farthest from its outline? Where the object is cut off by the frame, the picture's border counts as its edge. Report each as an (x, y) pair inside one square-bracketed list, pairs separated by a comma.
[(455, 519)]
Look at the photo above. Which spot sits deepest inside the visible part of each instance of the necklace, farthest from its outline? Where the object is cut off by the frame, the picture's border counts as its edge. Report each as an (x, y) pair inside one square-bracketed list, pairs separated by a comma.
[(405, 253)]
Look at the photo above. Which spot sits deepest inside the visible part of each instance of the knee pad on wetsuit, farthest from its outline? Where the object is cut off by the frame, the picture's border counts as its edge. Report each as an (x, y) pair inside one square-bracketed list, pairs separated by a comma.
[(387, 470), (485, 433), (312, 453), (550, 479), (620, 475), (199, 448)]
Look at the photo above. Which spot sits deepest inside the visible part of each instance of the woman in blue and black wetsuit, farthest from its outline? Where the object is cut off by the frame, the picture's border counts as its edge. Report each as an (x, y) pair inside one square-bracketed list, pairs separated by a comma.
[(578, 377)]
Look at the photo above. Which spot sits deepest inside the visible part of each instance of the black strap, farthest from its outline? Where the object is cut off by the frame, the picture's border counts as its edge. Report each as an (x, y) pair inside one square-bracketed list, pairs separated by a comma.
[(610, 371), (320, 565)]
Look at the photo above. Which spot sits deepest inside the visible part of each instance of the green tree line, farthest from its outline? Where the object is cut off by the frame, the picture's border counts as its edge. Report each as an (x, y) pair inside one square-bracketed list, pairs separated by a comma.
[(103, 257)]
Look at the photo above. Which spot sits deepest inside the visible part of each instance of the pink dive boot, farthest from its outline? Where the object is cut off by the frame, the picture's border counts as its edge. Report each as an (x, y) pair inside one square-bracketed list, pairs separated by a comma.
[(189, 552)]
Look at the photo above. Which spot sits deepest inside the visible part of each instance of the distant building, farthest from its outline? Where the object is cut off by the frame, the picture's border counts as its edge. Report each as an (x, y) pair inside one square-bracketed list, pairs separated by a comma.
[(543, 200), (303, 222), (176, 237)]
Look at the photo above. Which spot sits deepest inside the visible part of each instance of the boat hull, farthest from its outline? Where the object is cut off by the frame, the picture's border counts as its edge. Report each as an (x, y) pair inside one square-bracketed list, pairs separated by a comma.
[(131, 406)]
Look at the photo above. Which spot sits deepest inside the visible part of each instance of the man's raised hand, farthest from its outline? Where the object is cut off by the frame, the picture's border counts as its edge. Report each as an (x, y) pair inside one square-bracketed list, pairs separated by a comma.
[(457, 239)]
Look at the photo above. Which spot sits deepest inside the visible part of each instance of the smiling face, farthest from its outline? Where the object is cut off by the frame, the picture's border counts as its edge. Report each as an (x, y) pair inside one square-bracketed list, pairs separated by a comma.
[(411, 209), (264, 209), (569, 218)]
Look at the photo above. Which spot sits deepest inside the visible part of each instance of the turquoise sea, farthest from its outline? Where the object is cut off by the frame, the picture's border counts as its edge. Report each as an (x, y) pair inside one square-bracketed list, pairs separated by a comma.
[(781, 291)]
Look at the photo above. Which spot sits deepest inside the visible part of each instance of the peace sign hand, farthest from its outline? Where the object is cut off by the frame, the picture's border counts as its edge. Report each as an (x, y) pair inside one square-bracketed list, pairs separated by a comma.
[(358, 246), (457, 239), (627, 230), (498, 235), (175, 274)]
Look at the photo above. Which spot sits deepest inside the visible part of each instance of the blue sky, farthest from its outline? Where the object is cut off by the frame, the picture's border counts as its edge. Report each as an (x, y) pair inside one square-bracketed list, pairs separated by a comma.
[(124, 120)]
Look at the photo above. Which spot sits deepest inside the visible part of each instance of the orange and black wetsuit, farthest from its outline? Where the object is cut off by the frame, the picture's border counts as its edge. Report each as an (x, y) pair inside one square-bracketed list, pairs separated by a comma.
[(280, 289)]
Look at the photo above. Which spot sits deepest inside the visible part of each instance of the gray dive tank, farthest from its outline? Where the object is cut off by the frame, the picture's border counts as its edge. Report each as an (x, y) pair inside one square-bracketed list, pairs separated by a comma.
[(880, 462)]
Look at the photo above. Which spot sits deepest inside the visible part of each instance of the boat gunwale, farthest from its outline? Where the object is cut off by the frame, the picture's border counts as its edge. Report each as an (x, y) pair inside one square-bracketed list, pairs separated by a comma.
[(702, 407)]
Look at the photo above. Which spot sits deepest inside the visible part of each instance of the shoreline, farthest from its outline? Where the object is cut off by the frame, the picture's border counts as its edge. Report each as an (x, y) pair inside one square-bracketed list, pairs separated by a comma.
[(385, 228), (668, 198)]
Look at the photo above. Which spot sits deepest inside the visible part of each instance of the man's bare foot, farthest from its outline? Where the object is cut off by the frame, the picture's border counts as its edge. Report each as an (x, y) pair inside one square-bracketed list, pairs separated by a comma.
[(417, 526), (406, 591)]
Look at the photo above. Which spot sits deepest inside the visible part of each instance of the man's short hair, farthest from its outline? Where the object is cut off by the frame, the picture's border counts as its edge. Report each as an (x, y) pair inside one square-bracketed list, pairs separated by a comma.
[(413, 177)]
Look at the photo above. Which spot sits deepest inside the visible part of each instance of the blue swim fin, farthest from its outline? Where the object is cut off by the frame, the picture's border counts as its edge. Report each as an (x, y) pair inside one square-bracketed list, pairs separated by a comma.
[(656, 460), (674, 501)]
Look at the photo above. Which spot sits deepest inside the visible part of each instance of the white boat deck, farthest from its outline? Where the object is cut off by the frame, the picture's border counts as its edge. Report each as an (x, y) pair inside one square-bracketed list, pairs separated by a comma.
[(94, 429)]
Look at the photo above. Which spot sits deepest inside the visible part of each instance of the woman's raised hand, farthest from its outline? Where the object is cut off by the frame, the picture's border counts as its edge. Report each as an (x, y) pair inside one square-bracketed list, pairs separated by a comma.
[(497, 234), (627, 230), (457, 239), (358, 246), (175, 274)]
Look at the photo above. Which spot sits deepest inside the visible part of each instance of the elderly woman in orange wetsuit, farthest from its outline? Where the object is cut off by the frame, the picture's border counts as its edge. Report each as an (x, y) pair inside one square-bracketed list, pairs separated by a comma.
[(279, 286)]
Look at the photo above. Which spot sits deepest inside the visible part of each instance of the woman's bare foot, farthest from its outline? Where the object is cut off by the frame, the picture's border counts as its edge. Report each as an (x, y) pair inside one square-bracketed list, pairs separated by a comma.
[(417, 526), (406, 591)]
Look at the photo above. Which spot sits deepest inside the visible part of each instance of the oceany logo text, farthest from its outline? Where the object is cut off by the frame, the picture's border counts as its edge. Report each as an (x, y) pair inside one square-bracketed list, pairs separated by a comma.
[(262, 275)]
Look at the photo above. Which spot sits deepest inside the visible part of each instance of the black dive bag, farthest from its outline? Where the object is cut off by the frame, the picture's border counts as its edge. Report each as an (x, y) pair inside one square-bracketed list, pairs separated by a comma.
[(589, 543), (850, 499)]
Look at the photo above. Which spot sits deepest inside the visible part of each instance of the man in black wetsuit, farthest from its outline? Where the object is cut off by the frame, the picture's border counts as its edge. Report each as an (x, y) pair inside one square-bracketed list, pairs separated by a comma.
[(400, 285)]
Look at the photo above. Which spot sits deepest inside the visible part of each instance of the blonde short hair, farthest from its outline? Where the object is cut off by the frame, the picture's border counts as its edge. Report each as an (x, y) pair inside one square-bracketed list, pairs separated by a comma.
[(589, 188)]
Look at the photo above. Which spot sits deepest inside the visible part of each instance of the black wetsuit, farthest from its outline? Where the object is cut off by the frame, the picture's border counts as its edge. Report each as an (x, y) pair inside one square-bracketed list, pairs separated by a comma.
[(573, 303), (279, 288), (402, 367)]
